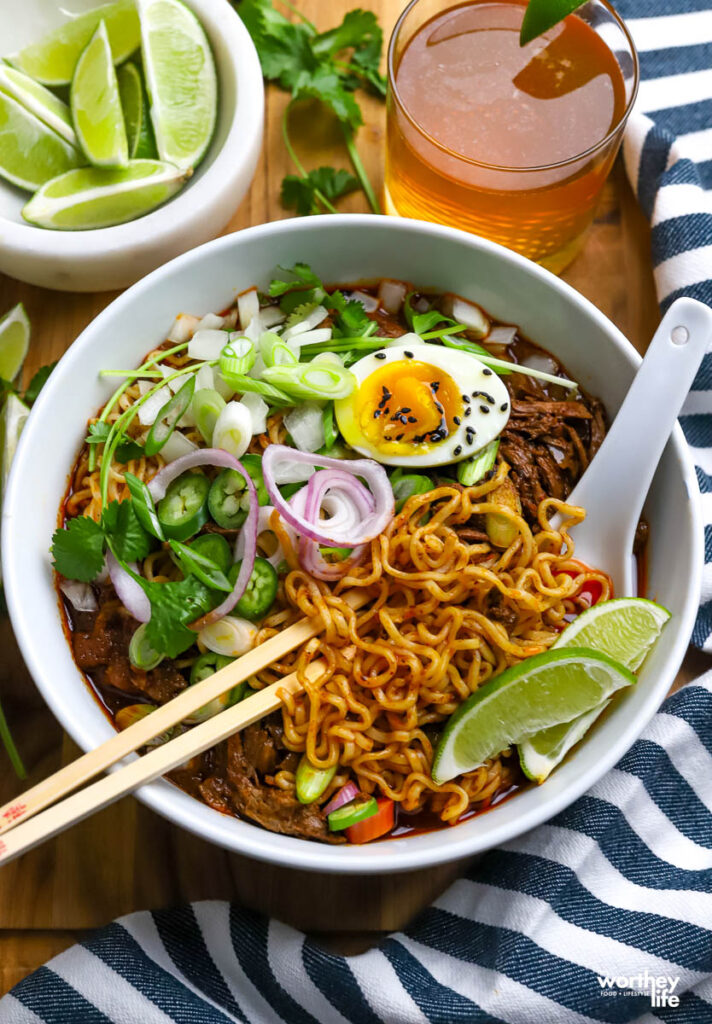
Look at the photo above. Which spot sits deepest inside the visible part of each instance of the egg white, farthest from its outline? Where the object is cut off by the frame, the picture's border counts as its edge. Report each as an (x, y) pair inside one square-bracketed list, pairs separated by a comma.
[(470, 375)]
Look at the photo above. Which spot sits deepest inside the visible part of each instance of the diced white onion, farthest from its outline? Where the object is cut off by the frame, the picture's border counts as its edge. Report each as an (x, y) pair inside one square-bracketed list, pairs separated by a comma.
[(308, 323), (258, 410), (183, 329), (176, 446), (306, 425), (541, 362), (233, 429), (80, 595), (369, 302), (316, 337), (466, 313), (207, 344), (211, 322), (152, 406), (271, 316), (248, 305), (176, 384), (230, 321), (391, 295), (230, 635), (502, 335), (205, 379)]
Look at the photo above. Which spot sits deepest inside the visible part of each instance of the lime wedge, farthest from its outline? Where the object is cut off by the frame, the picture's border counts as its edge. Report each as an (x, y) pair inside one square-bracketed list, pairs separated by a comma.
[(134, 103), (96, 105), (94, 197), (540, 754), (53, 59), (39, 101), (625, 629), (12, 420), (30, 152), (14, 341), (545, 690), (181, 81)]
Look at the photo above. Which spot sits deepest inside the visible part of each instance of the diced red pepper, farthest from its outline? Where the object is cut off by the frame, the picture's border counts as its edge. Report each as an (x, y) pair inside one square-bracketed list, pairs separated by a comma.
[(376, 826), (590, 592)]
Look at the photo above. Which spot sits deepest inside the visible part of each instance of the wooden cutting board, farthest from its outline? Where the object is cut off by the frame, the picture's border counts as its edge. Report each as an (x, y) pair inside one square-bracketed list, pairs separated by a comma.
[(128, 858)]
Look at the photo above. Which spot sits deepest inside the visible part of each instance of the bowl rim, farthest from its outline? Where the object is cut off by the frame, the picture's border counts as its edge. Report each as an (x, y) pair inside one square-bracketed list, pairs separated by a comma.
[(396, 855), (246, 125)]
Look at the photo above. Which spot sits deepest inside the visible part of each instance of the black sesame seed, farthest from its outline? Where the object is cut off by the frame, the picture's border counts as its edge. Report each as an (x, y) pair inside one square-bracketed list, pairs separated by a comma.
[(376, 414), (434, 385), (408, 355), (466, 399), (458, 450), (483, 394), (487, 372), (456, 420), (484, 408), (504, 406), (399, 437), (406, 408), (380, 355), (412, 419), (468, 411)]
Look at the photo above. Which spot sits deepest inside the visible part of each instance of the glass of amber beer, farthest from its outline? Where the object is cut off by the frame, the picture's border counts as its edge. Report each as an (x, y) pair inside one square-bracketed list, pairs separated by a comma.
[(513, 143)]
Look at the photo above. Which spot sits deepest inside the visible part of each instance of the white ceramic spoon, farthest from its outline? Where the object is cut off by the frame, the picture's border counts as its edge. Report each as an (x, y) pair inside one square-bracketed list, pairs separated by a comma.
[(615, 485)]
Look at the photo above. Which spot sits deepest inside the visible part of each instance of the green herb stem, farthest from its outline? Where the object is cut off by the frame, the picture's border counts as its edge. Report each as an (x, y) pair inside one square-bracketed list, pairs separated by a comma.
[(11, 749), (302, 17), (360, 169), (297, 162)]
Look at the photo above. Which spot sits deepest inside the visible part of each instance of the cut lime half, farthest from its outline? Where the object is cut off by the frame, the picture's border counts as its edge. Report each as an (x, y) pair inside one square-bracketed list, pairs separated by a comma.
[(96, 105), (625, 629), (14, 341), (12, 420), (53, 59), (181, 80), (134, 103), (39, 101), (93, 197), (545, 690), (30, 152)]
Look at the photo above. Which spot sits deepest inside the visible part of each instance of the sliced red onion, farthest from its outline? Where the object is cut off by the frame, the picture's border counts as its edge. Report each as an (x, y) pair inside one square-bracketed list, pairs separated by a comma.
[(217, 457), (81, 596), (391, 295), (131, 594), (344, 514), (345, 795), (377, 507)]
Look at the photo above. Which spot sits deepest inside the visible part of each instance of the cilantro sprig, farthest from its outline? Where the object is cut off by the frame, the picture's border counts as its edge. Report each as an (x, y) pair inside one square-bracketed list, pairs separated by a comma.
[(328, 66)]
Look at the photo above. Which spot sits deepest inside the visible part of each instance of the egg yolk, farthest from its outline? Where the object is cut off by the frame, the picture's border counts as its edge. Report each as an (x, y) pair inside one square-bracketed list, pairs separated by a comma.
[(408, 404)]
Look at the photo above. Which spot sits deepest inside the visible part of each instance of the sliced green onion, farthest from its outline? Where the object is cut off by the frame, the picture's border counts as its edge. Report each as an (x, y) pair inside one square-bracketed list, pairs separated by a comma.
[(351, 814), (144, 506), (443, 331), (206, 570), (238, 356), (305, 380), (406, 485), (311, 781), (472, 470), (365, 344), (167, 419), (141, 654), (207, 406), (276, 352), (243, 384), (330, 431)]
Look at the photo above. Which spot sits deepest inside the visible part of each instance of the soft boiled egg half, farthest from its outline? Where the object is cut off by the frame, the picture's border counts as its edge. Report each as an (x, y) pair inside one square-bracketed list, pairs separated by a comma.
[(422, 405)]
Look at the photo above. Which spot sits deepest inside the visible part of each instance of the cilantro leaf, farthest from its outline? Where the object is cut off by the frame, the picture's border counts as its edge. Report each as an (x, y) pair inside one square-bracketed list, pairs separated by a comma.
[(300, 193), (359, 30), (326, 84), (304, 274), (78, 550), (38, 382), (283, 47), (98, 433), (351, 320), (128, 539), (126, 450), (173, 607)]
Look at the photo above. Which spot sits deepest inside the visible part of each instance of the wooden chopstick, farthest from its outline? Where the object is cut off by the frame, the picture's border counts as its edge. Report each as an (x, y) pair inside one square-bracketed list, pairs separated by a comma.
[(150, 766), (163, 718)]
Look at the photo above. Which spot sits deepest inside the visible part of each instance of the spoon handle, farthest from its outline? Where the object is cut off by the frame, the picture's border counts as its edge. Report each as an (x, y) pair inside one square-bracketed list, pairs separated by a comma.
[(615, 485)]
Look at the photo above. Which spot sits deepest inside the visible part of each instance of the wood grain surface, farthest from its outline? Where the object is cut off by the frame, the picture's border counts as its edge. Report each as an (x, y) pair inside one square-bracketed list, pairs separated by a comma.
[(128, 858)]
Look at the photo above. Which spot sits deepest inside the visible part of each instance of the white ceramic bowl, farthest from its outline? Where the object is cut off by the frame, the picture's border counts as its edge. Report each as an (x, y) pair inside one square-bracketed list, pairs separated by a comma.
[(85, 261), (341, 249)]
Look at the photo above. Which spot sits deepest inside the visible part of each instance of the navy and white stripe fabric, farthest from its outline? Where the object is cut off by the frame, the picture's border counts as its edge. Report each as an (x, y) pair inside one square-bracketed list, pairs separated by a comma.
[(580, 920), (668, 156), (572, 923)]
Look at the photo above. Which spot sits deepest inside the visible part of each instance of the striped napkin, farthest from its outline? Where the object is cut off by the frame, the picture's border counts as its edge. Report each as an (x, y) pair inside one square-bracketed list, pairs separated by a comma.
[(604, 913)]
